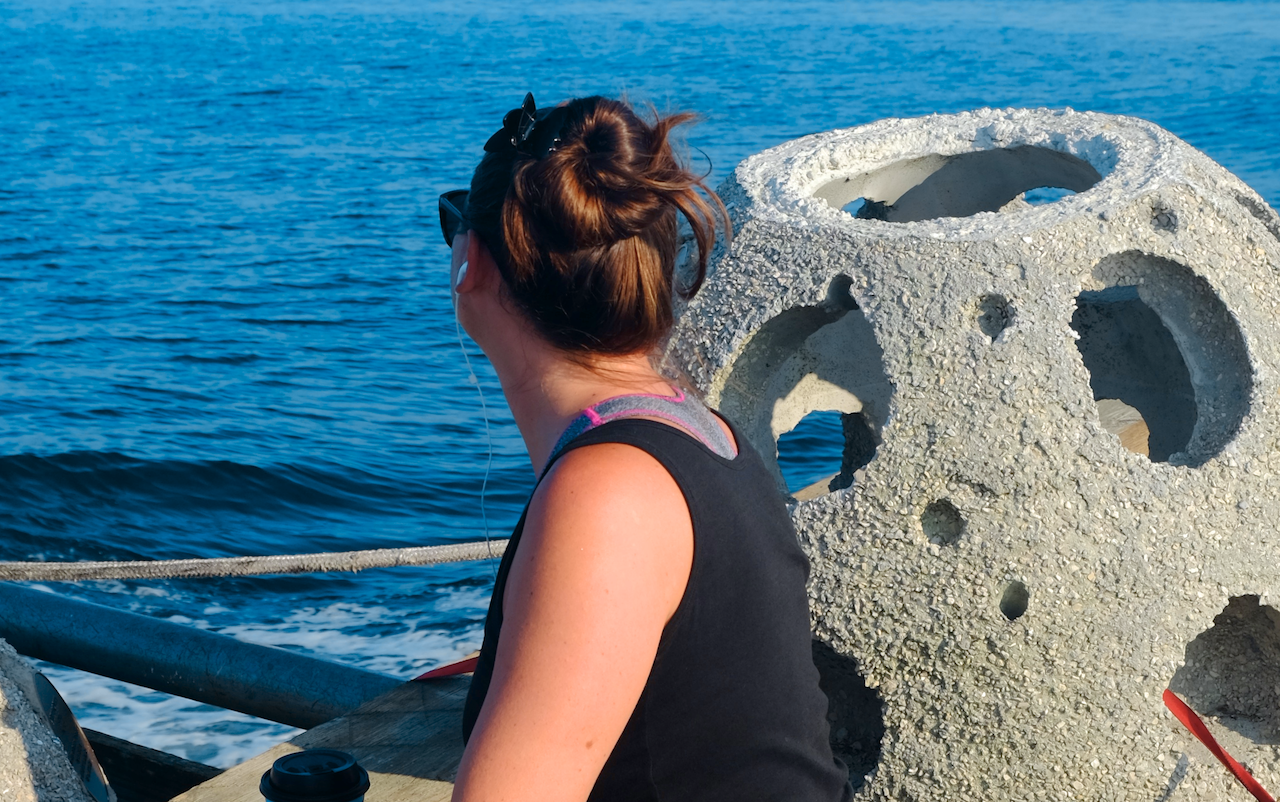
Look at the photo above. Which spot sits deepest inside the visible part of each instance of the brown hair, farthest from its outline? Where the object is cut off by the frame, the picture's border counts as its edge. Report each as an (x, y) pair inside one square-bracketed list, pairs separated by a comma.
[(586, 238)]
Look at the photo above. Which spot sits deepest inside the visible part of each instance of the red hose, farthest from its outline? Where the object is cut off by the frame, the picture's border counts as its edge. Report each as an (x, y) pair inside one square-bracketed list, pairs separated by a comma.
[(468, 666), (1192, 722)]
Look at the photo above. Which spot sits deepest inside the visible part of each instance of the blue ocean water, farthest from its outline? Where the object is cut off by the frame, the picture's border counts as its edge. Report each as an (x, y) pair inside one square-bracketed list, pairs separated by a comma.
[(227, 326)]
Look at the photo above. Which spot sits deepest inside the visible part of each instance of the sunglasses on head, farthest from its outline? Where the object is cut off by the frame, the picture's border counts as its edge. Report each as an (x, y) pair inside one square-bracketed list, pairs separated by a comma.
[(452, 218)]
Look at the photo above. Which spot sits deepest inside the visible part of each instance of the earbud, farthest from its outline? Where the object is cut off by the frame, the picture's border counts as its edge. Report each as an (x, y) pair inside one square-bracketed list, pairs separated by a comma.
[(462, 274)]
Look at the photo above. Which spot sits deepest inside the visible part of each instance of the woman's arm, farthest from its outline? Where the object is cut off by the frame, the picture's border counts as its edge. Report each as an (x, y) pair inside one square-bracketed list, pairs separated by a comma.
[(602, 566)]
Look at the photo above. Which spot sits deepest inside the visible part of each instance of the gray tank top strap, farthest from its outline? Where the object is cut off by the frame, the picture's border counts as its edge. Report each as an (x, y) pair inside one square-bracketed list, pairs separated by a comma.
[(687, 412)]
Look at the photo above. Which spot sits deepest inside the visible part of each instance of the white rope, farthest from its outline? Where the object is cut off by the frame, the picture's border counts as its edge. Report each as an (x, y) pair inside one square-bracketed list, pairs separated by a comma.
[(251, 566)]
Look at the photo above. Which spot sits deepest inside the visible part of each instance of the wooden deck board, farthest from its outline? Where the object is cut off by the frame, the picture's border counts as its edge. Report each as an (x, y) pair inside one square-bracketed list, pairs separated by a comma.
[(139, 774), (410, 741)]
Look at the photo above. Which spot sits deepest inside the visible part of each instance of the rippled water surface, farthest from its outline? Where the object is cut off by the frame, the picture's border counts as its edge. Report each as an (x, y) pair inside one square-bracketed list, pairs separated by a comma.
[(227, 327)]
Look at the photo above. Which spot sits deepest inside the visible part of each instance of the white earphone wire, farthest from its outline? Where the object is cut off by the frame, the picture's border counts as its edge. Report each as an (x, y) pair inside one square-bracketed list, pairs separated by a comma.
[(488, 434)]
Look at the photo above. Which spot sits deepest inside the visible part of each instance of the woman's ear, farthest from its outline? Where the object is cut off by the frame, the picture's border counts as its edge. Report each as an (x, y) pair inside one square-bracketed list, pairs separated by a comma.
[(476, 285), (481, 268)]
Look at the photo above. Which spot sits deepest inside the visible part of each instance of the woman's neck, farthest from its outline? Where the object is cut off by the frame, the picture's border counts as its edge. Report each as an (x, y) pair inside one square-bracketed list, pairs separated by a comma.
[(546, 390)]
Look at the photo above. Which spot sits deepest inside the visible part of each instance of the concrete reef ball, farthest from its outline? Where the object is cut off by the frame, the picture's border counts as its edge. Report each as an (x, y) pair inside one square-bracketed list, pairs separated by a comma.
[(1052, 341)]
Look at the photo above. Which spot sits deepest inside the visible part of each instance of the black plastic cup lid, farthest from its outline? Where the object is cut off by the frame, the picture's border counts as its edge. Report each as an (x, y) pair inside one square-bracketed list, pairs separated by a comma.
[(316, 775)]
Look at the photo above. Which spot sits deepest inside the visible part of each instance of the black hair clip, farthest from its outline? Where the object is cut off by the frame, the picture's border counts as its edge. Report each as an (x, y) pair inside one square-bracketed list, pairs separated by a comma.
[(528, 131)]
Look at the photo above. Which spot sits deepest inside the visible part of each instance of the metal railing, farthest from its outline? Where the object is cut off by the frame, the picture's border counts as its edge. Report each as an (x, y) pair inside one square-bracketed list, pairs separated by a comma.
[(263, 681)]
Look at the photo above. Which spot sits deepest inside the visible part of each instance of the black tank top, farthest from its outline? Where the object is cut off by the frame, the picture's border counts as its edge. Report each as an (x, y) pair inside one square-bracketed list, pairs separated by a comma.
[(732, 708)]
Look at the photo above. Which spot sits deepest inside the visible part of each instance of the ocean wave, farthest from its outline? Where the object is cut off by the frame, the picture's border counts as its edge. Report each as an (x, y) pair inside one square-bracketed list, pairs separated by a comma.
[(220, 304), (253, 321), (230, 359), (115, 479)]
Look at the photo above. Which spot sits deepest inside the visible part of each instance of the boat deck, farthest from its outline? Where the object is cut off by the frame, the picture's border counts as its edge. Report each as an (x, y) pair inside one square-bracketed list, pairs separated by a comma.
[(410, 741)]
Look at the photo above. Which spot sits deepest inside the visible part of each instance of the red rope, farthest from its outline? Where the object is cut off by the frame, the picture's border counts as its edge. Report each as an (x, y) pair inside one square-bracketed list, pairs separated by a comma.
[(1192, 722), (468, 666)]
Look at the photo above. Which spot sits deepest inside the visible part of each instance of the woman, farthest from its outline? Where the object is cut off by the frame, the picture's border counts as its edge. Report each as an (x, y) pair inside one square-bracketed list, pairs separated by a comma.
[(648, 636)]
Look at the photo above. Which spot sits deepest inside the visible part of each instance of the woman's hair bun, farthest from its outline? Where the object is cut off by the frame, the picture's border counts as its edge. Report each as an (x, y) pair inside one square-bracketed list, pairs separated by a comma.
[(589, 233)]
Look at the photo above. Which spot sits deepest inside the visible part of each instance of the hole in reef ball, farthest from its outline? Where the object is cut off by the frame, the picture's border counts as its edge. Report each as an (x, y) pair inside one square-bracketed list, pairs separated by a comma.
[(854, 712), (866, 209), (1013, 602), (933, 186), (840, 295), (812, 452), (994, 315), (807, 454), (942, 522), (1133, 358), (1232, 670), (1167, 361), (1043, 196), (813, 378), (1164, 220)]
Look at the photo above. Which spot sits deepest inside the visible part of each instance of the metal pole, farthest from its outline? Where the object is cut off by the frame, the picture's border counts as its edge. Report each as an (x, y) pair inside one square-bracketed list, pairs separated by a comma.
[(262, 681)]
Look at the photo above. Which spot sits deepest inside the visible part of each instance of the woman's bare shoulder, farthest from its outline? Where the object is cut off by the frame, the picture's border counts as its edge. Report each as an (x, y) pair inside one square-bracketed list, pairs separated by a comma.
[(610, 490)]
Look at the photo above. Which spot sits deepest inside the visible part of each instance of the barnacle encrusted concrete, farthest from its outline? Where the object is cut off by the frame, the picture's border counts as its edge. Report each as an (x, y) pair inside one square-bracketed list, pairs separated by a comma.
[(1017, 585)]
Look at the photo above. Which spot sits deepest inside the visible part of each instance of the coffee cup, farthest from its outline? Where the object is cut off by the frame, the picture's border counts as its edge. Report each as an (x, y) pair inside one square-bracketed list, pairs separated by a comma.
[(315, 775)]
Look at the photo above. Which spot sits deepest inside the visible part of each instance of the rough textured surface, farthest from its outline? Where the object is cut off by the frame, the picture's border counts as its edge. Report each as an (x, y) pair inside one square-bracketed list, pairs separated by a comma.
[(33, 767), (1016, 585)]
